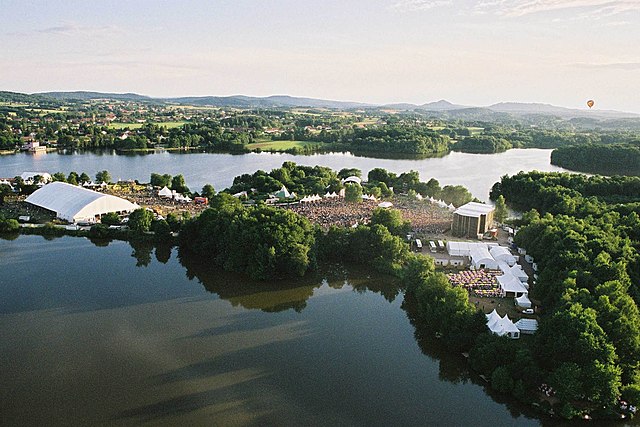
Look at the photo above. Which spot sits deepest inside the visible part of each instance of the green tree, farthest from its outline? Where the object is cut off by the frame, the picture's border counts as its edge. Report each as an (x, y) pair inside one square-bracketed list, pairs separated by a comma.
[(353, 193), (140, 220), (110, 218), (501, 380), (392, 219), (103, 176), (178, 184), (73, 178), (208, 191), (84, 178), (5, 190), (501, 212), (158, 180), (59, 176)]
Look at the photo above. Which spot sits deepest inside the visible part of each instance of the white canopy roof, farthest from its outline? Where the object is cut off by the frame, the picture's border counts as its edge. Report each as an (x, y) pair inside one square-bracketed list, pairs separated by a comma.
[(523, 301), (165, 192), (385, 204), (480, 256), (509, 283), (502, 325), (73, 203), (517, 271), (500, 253), (527, 325), (353, 178), (474, 209)]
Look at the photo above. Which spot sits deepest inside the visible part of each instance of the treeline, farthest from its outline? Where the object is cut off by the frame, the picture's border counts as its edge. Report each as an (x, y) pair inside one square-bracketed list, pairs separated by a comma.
[(588, 343), (482, 144), (570, 194), (306, 180), (615, 159)]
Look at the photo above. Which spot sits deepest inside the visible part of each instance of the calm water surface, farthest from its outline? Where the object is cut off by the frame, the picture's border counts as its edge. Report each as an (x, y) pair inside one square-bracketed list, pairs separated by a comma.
[(115, 335), (477, 172)]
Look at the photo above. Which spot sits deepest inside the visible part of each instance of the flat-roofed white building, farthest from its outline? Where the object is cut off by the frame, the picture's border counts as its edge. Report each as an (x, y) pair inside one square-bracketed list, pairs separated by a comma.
[(77, 204)]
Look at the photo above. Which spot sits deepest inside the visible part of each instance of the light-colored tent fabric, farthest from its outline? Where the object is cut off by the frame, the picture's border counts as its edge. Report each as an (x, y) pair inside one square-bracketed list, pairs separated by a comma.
[(527, 326), (500, 253), (523, 301), (509, 283), (517, 271), (481, 257), (165, 192), (28, 176), (385, 205), (283, 193), (74, 204), (502, 325), (353, 179)]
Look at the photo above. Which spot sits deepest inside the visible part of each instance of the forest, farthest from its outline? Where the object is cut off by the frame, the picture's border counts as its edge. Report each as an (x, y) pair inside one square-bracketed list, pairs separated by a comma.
[(614, 159)]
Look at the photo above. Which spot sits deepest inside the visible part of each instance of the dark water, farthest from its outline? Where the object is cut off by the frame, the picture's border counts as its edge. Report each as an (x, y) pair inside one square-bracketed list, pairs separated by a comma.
[(91, 335), (477, 172)]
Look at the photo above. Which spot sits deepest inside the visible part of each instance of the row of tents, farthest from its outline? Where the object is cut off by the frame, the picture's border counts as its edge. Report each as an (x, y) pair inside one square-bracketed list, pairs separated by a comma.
[(503, 326), (173, 194)]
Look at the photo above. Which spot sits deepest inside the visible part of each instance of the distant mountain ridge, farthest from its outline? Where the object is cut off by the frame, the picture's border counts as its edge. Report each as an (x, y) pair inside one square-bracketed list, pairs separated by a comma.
[(438, 107)]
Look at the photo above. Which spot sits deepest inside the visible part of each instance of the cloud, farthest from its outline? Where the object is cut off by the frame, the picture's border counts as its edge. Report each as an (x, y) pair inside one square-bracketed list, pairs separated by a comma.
[(413, 5), (593, 8), (609, 66), (70, 29)]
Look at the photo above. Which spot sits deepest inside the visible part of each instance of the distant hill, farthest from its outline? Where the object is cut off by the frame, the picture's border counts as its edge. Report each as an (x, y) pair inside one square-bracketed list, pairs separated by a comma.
[(503, 111), (518, 108), (442, 105), (242, 101), (83, 95)]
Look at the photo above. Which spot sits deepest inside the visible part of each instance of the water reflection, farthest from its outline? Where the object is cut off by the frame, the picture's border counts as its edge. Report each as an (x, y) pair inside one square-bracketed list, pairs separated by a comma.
[(290, 293)]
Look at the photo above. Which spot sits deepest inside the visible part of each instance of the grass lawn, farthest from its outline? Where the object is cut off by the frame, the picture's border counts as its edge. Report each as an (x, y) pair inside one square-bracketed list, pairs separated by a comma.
[(168, 125), (279, 145), (475, 131)]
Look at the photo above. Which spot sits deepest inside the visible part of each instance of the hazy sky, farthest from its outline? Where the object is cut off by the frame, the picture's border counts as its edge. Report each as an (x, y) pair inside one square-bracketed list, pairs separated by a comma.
[(473, 52)]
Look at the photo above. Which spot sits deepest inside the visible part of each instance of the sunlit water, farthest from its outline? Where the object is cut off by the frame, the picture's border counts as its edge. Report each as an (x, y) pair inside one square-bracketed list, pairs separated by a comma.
[(477, 172), (93, 336)]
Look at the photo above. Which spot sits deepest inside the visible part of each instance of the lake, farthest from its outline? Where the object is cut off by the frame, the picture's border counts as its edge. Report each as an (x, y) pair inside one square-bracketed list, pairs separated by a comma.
[(477, 172), (115, 335)]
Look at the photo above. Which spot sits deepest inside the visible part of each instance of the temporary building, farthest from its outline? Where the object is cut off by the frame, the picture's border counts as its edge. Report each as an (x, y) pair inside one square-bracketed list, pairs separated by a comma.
[(523, 301), (500, 253), (283, 193), (28, 177), (354, 179), (510, 286), (517, 271), (502, 326), (527, 326), (165, 192), (481, 257), (75, 204)]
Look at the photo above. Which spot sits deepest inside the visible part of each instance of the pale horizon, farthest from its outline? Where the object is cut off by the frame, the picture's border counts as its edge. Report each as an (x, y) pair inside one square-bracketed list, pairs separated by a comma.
[(468, 52)]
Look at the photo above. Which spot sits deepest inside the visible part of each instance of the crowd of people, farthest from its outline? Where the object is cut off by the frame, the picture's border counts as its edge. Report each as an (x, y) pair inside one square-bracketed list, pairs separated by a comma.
[(148, 198), (337, 211), (425, 217), (482, 283)]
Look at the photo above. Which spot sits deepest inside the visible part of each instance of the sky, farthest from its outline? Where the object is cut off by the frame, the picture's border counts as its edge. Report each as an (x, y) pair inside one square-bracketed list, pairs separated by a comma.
[(470, 52)]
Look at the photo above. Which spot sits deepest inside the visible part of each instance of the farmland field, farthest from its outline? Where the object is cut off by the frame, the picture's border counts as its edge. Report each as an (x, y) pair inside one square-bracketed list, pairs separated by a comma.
[(279, 145)]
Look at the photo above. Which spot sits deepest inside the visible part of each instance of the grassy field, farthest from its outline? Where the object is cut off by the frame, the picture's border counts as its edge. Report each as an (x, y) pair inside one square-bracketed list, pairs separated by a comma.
[(475, 131), (267, 145), (168, 125)]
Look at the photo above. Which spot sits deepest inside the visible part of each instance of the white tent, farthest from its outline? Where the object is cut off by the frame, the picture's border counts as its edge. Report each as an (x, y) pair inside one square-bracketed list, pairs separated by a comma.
[(517, 271), (509, 284), (527, 326), (74, 204), (502, 325), (500, 253), (385, 205), (27, 177), (523, 301), (165, 192), (481, 257), (283, 193), (353, 179), (451, 207)]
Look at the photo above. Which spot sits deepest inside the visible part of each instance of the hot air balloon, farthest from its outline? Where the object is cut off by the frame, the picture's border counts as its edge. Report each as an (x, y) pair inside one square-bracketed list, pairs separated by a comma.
[(590, 103)]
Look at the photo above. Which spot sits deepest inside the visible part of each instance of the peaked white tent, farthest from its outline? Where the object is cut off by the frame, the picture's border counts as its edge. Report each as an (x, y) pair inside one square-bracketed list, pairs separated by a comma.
[(502, 326), (74, 204), (283, 193), (353, 179), (385, 205), (165, 192), (523, 301)]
